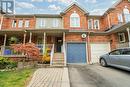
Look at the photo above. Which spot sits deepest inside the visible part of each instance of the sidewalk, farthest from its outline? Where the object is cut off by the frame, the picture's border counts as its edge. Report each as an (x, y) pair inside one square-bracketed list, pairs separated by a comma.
[(50, 77)]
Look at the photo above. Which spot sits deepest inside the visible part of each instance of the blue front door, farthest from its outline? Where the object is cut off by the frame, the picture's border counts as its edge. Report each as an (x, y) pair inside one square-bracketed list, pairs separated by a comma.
[(76, 53)]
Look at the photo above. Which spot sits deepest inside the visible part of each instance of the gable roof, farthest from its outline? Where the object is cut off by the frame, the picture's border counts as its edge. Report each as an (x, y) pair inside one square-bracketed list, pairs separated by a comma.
[(79, 6), (113, 6)]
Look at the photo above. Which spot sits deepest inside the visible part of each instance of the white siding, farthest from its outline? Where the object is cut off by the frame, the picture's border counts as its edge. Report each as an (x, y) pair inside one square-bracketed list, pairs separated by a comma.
[(49, 23)]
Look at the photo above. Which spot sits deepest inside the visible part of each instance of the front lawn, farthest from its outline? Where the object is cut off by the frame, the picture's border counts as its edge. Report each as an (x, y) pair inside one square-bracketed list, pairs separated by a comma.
[(15, 78)]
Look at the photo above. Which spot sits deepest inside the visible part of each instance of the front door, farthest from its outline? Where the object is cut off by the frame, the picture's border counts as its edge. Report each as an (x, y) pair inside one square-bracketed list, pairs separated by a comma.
[(59, 43)]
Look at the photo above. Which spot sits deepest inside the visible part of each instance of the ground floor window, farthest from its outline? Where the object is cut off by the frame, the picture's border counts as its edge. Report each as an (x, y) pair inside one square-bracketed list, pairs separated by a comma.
[(121, 37)]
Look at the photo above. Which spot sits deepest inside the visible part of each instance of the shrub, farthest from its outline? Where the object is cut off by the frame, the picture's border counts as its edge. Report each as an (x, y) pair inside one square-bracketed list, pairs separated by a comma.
[(6, 63)]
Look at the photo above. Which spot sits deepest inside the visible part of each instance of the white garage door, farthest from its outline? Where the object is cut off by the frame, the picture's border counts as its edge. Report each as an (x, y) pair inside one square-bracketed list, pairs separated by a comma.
[(97, 50)]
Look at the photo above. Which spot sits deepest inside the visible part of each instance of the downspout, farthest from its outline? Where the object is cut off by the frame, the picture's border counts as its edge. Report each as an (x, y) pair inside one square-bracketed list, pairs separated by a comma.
[(89, 48)]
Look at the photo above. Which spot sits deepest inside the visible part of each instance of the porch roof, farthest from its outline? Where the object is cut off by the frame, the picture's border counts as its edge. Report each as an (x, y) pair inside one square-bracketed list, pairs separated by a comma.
[(119, 28), (36, 31)]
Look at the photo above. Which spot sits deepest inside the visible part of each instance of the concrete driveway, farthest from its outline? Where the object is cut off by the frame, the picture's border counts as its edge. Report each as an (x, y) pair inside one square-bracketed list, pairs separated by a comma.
[(98, 76)]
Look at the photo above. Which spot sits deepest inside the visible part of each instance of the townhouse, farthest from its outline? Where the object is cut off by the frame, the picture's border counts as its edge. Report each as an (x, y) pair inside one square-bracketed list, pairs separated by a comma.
[(73, 36)]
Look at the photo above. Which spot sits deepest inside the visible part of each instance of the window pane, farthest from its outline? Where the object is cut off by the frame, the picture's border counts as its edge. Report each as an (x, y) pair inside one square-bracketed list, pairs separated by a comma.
[(90, 24), (115, 53), (41, 22), (96, 24), (126, 52), (120, 18), (27, 23), (121, 37), (74, 20), (14, 22), (20, 23), (55, 22)]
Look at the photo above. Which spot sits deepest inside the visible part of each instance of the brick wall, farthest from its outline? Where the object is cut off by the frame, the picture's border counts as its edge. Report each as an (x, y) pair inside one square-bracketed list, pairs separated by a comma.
[(7, 22), (83, 18), (99, 39), (74, 38), (113, 14)]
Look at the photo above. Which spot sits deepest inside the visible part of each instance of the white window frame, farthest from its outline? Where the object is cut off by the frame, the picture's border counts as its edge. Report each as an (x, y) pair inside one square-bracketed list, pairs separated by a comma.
[(27, 23), (74, 20), (14, 23), (122, 35), (120, 17), (126, 14), (55, 22), (90, 25), (97, 24), (20, 23), (41, 23)]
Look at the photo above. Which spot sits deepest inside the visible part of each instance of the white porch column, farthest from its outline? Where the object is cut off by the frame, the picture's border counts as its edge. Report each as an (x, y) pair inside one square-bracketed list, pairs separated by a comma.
[(44, 42), (24, 39), (128, 31), (30, 39), (3, 48), (64, 47)]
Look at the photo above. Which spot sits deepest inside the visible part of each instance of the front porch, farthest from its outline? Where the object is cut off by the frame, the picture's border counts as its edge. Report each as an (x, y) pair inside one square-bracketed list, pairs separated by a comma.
[(53, 41), (123, 38), (120, 36)]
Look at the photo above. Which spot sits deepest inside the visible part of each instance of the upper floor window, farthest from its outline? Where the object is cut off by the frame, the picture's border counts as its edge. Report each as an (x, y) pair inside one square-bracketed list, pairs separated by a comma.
[(126, 10), (27, 23), (74, 20), (126, 14), (120, 18), (20, 24), (55, 22), (90, 24), (14, 23), (41, 22), (96, 24)]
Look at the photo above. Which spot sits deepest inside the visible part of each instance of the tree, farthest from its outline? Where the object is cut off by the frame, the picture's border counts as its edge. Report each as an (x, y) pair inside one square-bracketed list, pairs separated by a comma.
[(29, 49)]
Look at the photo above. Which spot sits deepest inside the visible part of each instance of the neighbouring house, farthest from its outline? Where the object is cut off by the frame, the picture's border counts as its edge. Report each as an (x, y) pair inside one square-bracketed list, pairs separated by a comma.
[(73, 36)]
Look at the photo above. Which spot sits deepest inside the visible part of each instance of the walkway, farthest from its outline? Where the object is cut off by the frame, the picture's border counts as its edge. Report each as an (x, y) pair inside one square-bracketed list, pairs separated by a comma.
[(50, 77)]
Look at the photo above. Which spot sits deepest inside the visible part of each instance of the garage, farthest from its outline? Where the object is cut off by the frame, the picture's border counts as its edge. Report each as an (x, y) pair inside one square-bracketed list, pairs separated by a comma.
[(98, 49), (76, 53)]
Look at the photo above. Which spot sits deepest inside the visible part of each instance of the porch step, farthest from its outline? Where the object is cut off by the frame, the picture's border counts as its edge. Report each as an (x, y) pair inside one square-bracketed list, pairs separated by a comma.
[(58, 56), (58, 59)]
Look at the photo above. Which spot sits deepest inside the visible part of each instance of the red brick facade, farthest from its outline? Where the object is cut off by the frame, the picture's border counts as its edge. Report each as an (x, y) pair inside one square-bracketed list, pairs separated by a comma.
[(100, 35)]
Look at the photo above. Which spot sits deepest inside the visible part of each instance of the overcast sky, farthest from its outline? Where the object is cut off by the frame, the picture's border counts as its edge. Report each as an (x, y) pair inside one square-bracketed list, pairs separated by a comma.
[(56, 6)]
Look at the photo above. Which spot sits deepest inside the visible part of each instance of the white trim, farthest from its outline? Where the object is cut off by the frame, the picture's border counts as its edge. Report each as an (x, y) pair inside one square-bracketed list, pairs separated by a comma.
[(77, 4), (85, 54), (122, 35), (20, 23), (55, 22), (74, 20), (14, 24), (91, 24), (128, 31), (96, 20), (27, 23), (120, 17)]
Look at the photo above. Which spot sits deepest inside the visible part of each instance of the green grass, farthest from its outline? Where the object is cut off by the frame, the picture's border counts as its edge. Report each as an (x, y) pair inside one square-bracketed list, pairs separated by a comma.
[(15, 78)]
